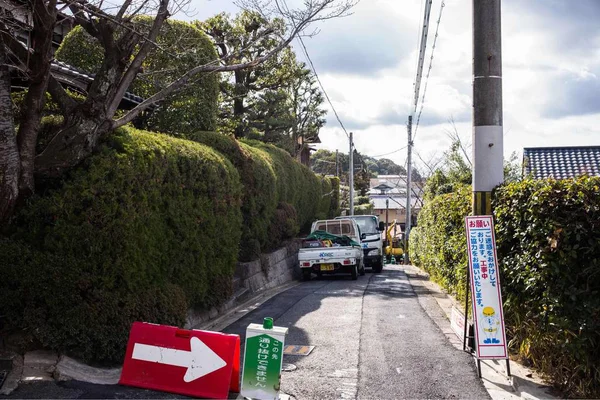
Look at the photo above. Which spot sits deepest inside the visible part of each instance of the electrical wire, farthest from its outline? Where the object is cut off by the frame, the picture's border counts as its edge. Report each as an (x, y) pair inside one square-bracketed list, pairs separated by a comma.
[(391, 152), (312, 66), (428, 70)]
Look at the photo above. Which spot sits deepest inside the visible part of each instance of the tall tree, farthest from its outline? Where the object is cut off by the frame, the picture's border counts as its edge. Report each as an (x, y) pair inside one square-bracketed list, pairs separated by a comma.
[(10, 165), (126, 43), (306, 102), (240, 39), (34, 64)]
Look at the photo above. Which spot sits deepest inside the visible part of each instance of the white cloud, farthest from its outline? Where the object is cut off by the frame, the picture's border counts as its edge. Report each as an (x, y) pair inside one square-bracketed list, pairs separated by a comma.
[(551, 65)]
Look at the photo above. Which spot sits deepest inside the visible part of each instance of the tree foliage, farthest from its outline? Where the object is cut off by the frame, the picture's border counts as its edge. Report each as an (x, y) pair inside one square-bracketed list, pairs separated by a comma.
[(323, 162), (127, 41), (182, 47), (277, 101)]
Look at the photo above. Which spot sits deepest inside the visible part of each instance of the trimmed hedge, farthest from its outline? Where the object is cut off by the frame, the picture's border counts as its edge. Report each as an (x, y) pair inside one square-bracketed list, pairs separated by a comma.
[(258, 204), (295, 184), (438, 243), (146, 228), (548, 236), (272, 216), (325, 203), (335, 197), (549, 247)]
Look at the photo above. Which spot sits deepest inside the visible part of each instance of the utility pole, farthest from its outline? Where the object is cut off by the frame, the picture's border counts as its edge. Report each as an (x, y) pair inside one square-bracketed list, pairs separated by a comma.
[(408, 190), (351, 176), (387, 205), (337, 165), (488, 169), (418, 77)]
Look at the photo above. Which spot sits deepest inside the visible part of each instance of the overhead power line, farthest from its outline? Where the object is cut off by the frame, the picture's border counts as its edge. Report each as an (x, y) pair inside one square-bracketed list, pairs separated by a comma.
[(391, 152), (437, 28), (312, 66)]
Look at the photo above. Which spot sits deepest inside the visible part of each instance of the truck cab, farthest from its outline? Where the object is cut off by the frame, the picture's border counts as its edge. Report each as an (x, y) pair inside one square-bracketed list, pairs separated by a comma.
[(371, 241)]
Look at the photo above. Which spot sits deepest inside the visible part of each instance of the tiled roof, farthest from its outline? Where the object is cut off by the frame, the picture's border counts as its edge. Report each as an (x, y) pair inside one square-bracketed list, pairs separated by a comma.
[(80, 79), (561, 162), (395, 202)]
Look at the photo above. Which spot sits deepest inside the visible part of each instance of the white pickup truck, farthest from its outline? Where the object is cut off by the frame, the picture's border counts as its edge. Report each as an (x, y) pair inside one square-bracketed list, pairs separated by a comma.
[(332, 247)]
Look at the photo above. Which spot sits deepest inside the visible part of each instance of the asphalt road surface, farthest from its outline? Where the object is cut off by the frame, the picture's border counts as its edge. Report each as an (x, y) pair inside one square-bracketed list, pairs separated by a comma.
[(372, 339)]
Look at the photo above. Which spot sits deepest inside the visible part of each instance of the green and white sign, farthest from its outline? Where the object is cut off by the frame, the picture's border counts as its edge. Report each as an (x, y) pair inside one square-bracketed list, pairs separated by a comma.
[(263, 357)]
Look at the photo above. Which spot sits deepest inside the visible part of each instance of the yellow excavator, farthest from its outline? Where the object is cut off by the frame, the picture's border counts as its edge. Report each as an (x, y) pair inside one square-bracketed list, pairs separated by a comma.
[(394, 249)]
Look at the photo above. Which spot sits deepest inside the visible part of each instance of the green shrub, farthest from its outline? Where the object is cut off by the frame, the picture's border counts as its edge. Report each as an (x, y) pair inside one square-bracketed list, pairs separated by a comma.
[(258, 179), (364, 209), (439, 243), (549, 247), (284, 225), (145, 228), (325, 210), (295, 184), (362, 200), (183, 46), (548, 238)]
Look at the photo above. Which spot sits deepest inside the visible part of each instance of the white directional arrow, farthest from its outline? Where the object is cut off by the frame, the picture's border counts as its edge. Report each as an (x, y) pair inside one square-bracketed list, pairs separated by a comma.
[(200, 361)]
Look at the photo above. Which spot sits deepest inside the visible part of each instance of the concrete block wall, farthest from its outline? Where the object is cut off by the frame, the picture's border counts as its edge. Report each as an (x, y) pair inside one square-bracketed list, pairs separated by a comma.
[(252, 278)]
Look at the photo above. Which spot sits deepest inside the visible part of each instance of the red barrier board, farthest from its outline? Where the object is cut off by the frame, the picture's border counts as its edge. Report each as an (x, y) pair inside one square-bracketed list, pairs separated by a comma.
[(190, 362)]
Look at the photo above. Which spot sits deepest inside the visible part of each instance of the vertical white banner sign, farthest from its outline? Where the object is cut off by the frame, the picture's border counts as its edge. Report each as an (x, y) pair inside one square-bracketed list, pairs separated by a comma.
[(486, 298)]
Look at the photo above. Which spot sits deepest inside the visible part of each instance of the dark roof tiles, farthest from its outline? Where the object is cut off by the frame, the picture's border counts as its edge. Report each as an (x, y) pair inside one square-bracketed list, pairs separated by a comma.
[(561, 162)]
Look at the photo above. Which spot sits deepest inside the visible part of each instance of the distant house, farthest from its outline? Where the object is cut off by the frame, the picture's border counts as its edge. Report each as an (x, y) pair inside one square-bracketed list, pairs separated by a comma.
[(561, 162), (396, 198)]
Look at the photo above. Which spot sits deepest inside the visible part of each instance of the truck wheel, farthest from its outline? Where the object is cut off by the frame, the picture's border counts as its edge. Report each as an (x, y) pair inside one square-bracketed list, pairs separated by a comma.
[(362, 268), (354, 272), (306, 274)]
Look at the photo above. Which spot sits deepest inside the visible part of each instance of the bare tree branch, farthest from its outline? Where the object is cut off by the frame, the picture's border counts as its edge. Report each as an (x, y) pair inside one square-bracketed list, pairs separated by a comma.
[(455, 137), (132, 70), (432, 164), (123, 9), (310, 17)]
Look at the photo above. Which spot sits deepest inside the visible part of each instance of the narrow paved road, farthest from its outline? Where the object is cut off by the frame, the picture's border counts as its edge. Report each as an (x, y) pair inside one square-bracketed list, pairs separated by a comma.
[(372, 339)]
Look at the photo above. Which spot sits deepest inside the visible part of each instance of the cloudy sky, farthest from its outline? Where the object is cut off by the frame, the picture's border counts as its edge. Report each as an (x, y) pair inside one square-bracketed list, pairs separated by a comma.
[(367, 63)]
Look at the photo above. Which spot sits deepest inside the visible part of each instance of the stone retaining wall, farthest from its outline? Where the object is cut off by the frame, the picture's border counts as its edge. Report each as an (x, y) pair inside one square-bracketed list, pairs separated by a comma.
[(252, 278)]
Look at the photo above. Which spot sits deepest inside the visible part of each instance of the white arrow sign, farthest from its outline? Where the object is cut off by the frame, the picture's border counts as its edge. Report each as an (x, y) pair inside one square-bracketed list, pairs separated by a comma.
[(200, 361)]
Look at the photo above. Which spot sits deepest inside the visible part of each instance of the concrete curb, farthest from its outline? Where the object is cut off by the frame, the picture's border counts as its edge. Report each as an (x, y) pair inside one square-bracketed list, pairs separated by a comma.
[(67, 368), (71, 369), (523, 383), (234, 314)]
